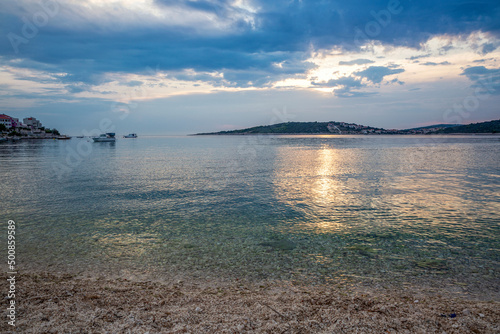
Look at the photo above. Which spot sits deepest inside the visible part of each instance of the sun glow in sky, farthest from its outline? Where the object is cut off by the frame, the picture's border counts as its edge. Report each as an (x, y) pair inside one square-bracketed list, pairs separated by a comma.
[(212, 64)]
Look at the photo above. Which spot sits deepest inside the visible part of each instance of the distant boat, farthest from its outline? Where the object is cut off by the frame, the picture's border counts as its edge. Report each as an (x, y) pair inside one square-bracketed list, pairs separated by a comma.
[(105, 137), (79, 136), (63, 137), (131, 135), (3, 139)]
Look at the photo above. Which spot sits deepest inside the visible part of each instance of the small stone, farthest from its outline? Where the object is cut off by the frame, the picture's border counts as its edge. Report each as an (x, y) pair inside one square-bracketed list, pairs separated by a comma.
[(481, 315), (198, 310), (466, 311), (416, 301)]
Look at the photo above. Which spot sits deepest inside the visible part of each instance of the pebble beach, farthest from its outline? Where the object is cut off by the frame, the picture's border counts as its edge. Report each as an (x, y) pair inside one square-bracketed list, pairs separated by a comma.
[(66, 303)]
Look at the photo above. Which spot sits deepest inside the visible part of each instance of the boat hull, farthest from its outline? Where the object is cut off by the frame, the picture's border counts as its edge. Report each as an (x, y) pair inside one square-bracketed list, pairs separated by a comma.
[(104, 140)]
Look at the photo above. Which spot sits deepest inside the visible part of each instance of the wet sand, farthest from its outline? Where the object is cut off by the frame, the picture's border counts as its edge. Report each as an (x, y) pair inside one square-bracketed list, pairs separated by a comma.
[(68, 303)]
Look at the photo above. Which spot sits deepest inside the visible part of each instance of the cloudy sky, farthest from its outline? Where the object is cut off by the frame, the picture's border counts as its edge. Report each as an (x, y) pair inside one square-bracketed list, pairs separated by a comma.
[(184, 66)]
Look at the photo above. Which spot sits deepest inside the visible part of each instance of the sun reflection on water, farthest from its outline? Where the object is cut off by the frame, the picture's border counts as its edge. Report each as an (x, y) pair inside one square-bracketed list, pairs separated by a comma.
[(315, 181), (312, 207)]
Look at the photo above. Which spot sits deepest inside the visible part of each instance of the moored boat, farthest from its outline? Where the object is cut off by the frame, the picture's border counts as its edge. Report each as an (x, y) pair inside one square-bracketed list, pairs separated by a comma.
[(131, 135), (105, 137)]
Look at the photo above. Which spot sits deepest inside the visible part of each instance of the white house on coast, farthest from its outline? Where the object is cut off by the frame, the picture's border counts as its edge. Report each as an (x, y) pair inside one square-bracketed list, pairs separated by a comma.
[(32, 122), (8, 121), (30, 128)]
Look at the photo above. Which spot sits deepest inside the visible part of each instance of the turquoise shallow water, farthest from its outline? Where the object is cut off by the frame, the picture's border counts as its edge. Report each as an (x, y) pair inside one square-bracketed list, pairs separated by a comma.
[(385, 209)]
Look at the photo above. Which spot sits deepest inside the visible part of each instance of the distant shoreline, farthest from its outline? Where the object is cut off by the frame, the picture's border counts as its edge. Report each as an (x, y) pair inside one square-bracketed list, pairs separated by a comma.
[(36, 138), (343, 128), (346, 134)]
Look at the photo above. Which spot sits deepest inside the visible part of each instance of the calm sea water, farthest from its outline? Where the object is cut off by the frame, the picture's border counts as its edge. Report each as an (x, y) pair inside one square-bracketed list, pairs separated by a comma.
[(381, 209)]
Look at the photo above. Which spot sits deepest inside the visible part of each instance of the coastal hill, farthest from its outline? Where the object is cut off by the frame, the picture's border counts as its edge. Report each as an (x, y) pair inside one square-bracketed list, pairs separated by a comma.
[(301, 128), (441, 126), (483, 127), (352, 128)]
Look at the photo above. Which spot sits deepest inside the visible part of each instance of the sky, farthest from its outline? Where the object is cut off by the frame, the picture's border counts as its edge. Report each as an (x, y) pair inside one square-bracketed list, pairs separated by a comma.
[(178, 67)]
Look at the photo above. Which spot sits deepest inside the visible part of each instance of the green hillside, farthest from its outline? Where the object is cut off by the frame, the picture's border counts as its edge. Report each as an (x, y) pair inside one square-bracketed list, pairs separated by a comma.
[(298, 128), (484, 127), (352, 128)]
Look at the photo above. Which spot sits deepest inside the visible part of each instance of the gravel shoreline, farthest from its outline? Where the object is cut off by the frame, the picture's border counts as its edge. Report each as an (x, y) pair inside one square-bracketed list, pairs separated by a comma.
[(67, 303)]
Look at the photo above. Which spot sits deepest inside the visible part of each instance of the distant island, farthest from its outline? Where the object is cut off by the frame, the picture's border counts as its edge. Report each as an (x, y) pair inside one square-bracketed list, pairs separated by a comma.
[(352, 128)]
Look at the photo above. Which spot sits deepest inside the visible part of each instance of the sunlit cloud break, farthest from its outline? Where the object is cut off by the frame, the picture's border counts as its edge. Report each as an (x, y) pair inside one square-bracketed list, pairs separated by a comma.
[(384, 63)]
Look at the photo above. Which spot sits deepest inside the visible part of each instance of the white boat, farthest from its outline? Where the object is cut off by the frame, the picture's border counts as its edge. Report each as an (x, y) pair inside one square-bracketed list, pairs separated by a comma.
[(105, 137), (3, 139), (131, 135)]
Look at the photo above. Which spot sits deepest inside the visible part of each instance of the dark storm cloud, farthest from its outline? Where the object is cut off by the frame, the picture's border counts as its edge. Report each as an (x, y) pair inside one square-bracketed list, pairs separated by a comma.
[(346, 87), (246, 51), (483, 60), (376, 74), (348, 82), (430, 63), (346, 92), (356, 62), (487, 48), (419, 57), (395, 22), (487, 80), (350, 86), (133, 83)]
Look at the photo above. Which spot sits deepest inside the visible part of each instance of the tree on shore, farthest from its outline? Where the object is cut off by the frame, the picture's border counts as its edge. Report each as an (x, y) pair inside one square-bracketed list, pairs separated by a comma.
[(53, 131), (3, 128)]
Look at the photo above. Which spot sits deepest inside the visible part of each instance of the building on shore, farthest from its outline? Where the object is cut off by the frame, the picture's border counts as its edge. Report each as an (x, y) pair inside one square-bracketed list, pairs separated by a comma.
[(32, 122), (9, 122), (6, 120), (31, 128)]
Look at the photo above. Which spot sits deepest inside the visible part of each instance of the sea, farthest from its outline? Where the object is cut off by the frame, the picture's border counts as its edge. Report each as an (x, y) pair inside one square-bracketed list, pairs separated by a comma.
[(336, 209)]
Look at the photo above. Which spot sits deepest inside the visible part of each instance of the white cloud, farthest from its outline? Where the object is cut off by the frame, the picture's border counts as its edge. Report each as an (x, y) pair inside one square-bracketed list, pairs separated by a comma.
[(121, 15)]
